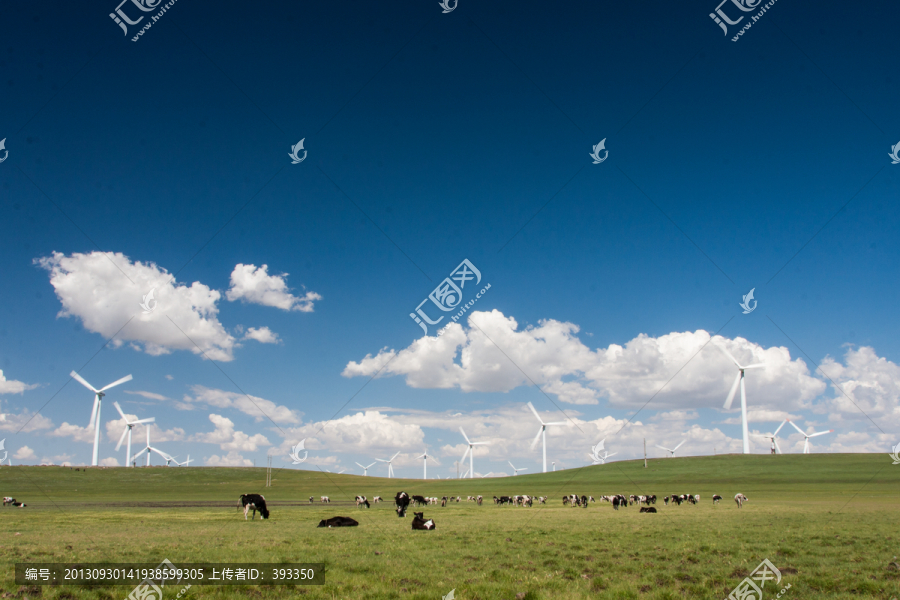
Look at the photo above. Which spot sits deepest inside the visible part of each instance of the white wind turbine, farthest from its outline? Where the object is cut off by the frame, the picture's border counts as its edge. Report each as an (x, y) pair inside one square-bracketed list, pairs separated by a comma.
[(128, 425), (739, 380), (471, 452), (186, 463), (390, 466), (366, 469), (773, 436), (95, 413), (424, 457), (542, 433), (150, 449), (807, 436), (671, 450), (515, 470)]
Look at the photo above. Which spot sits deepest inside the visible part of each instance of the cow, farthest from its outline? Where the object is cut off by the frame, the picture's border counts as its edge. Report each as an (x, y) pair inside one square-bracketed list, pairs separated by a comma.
[(479, 500), (338, 522), (648, 509), (325, 499), (419, 500), (470, 499), (443, 501), (8, 500), (419, 522), (310, 499), (254, 502), (542, 500), (716, 498), (502, 500), (615, 503), (666, 500), (376, 500), (584, 501), (739, 499), (361, 501), (401, 500)]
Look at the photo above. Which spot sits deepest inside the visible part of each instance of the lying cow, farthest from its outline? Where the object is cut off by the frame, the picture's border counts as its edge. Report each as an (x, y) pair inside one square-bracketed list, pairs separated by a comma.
[(419, 522), (338, 522), (739, 499), (7, 501), (254, 502), (648, 509)]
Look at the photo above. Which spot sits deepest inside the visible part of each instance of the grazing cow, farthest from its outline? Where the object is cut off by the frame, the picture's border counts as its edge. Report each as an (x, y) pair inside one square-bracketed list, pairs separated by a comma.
[(444, 501), (254, 502), (310, 499), (470, 499), (338, 522), (542, 500), (648, 509), (361, 501), (419, 522), (591, 499), (740, 499), (401, 500), (325, 499), (666, 500), (716, 498), (479, 500), (615, 503), (584, 501), (376, 499), (419, 500), (8, 500)]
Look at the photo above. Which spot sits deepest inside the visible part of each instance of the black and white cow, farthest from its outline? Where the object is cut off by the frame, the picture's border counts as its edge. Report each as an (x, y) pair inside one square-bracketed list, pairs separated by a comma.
[(376, 500), (7, 501), (254, 502), (419, 522), (310, 499), (419, 500), (648, 509), (479, 500), (716, 498), (325, 499), (401, 500), (739, 499), (338, 522), (361, 501), (444, 501)]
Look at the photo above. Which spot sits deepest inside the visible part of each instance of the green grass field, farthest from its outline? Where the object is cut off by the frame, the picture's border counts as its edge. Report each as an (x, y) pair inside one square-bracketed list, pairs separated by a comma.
[(828, 522)]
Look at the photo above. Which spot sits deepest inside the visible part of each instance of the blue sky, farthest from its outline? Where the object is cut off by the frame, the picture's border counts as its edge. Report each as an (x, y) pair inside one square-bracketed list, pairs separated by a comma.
[(432, 138)]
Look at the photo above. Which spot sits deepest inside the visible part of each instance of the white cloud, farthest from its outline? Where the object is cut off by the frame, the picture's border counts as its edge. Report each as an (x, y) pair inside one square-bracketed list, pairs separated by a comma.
[(255, 286), (872, 384), (370, 432), (25, 421), (148, 395), (11, 386), (169, 377), (78, 434), (263, 335), (228, 439), (24, 453), (232, 459), (109, 462), (256, 407), (95, 288), (62, 459), (678, 370)]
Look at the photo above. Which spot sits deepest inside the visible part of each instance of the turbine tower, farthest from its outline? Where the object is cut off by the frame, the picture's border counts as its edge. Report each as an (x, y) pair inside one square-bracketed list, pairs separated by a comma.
[(471, 452), (739, 380), (807, 436), (671, 450), (390, 466), (424, 457), (365, 469), (128, 425), (95, 413), (772, 436), (515, 470), (542, 433)]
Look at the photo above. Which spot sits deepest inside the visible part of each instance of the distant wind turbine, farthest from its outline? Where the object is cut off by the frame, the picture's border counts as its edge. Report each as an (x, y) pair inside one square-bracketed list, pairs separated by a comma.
[(390, 466), (150, 449), (515, 470), (128, 425), (424, 457), (671, 450), (186, 463), (773, 436), (739, 380), (471, 452), (366, 469), (542, 433), (809, 435), (95, 413)]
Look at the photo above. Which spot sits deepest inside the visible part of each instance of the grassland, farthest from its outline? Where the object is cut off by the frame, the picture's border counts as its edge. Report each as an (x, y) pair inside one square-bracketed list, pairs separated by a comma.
[(829, 522)]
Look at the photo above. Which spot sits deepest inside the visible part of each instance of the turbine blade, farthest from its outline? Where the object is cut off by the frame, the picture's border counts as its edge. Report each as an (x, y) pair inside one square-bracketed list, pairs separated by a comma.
[(663, 448), (141, 421), (395, 456), (360, 466), (558, 423), (119, 408), (464, 434), (733, 359), (678, 446), (734, 387), (512, 465), (370, 466), (481, 444), (537, 438), (779, 428), (777, 447), (756, 366), (531, 406), (812, 435), (81, 380), (122, 439), (465, 454), (797, 428), (94, 413), (115, 383), (380, 460)]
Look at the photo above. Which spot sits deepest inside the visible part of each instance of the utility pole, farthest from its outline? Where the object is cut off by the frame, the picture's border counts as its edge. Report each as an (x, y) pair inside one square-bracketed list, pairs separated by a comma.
[(645, 453), (269, 471)]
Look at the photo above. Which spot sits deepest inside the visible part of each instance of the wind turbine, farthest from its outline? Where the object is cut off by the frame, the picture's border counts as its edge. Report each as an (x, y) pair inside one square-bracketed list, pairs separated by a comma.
[(128, 425), (471, 452), (186, 463), (739, 379), (95, 413), (772, 436), (515, 470), (342, 471), (807, 436), (390, 466), (365, 469), (424, 457), (150, 449), (542, 433), (672, 450)]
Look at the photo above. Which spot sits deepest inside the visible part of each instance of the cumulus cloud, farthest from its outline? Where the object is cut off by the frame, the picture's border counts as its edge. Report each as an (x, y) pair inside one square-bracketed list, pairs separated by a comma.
[(148, 395), (109, 462), (24, 453), (26, 422), (254, 285), (869, 388), (370, 432), (678, 370), (232, 459), (256, 407), (11, 386), (95, 288), (228, 439), (263, 335), (78, 434)]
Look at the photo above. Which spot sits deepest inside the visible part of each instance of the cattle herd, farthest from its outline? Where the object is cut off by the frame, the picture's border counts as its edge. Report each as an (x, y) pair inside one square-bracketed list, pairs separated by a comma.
[(256, 502), (7, 501)]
